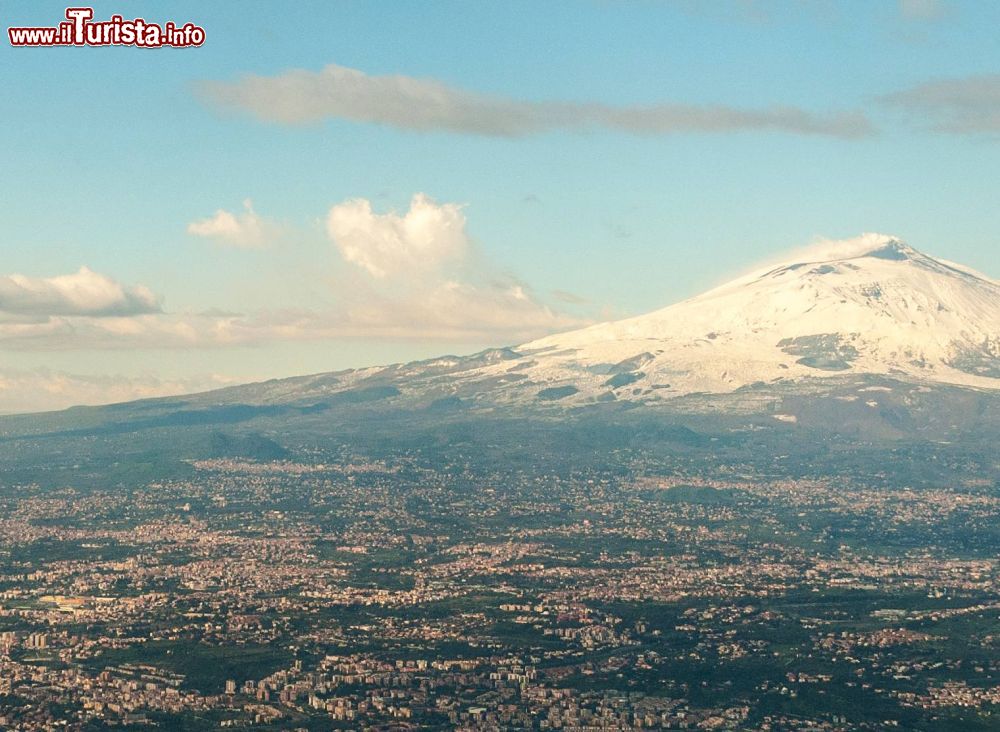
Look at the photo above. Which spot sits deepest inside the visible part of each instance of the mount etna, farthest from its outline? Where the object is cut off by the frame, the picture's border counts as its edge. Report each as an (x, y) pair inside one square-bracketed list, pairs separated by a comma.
[(861, 342)]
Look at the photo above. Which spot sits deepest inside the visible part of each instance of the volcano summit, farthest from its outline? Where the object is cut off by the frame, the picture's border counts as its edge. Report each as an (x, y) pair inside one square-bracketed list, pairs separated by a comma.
[(871, 305)]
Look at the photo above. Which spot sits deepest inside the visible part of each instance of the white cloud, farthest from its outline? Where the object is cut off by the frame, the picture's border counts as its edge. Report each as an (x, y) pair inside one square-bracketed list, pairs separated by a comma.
[(500, 313), (107, 333), (383, 244), (243, 229), (83, 293), (456, 311), (44, 390), (337, 92), (412, 275), (421, 281)]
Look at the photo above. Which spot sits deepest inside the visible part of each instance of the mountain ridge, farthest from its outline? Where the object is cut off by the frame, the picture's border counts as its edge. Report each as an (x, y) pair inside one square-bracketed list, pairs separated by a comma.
[(866, 307)]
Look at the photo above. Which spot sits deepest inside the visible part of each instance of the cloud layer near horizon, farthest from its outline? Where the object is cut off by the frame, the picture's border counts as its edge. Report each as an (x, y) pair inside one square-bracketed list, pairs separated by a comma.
[(337, 92), (36, 390)]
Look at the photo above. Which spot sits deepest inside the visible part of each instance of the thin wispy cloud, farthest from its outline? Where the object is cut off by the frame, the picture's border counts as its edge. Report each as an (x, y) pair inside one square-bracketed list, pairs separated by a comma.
[(969, 105), (337, 92), (569, 297), (922, 9), (825, 12), (450, 310)]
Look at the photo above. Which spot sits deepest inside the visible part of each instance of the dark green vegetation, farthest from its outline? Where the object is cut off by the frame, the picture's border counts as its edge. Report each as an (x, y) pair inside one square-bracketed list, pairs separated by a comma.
[(204, 667)]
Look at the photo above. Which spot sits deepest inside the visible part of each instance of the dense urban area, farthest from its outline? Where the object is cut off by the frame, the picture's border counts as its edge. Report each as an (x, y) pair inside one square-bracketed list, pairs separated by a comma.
[(405, 591)]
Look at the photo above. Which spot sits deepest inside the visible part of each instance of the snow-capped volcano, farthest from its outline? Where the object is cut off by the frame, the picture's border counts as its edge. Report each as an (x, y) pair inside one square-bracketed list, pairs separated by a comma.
[(870, 305)]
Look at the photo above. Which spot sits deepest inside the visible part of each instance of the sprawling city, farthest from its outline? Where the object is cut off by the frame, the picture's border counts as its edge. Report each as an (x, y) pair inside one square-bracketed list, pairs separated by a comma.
[(419, 589)]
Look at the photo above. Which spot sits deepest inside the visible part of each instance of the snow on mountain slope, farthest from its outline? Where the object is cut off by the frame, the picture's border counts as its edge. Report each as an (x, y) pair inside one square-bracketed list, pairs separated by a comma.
[(866, 306), (870, 305)]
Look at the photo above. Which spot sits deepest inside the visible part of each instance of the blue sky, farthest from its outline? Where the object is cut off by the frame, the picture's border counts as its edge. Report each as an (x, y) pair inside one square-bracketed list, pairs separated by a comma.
[(566, 159)]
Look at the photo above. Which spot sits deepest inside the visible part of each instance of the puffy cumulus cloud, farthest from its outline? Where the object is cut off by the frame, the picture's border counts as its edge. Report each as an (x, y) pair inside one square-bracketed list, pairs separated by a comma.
[(83, 293), (44, 390), (969, 105), (337, 92), (421, 239), (421, 282), (243, 229)]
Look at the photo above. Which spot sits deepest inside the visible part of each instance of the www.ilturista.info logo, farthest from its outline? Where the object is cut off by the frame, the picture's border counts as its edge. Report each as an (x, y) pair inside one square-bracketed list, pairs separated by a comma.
[(79, 30)]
